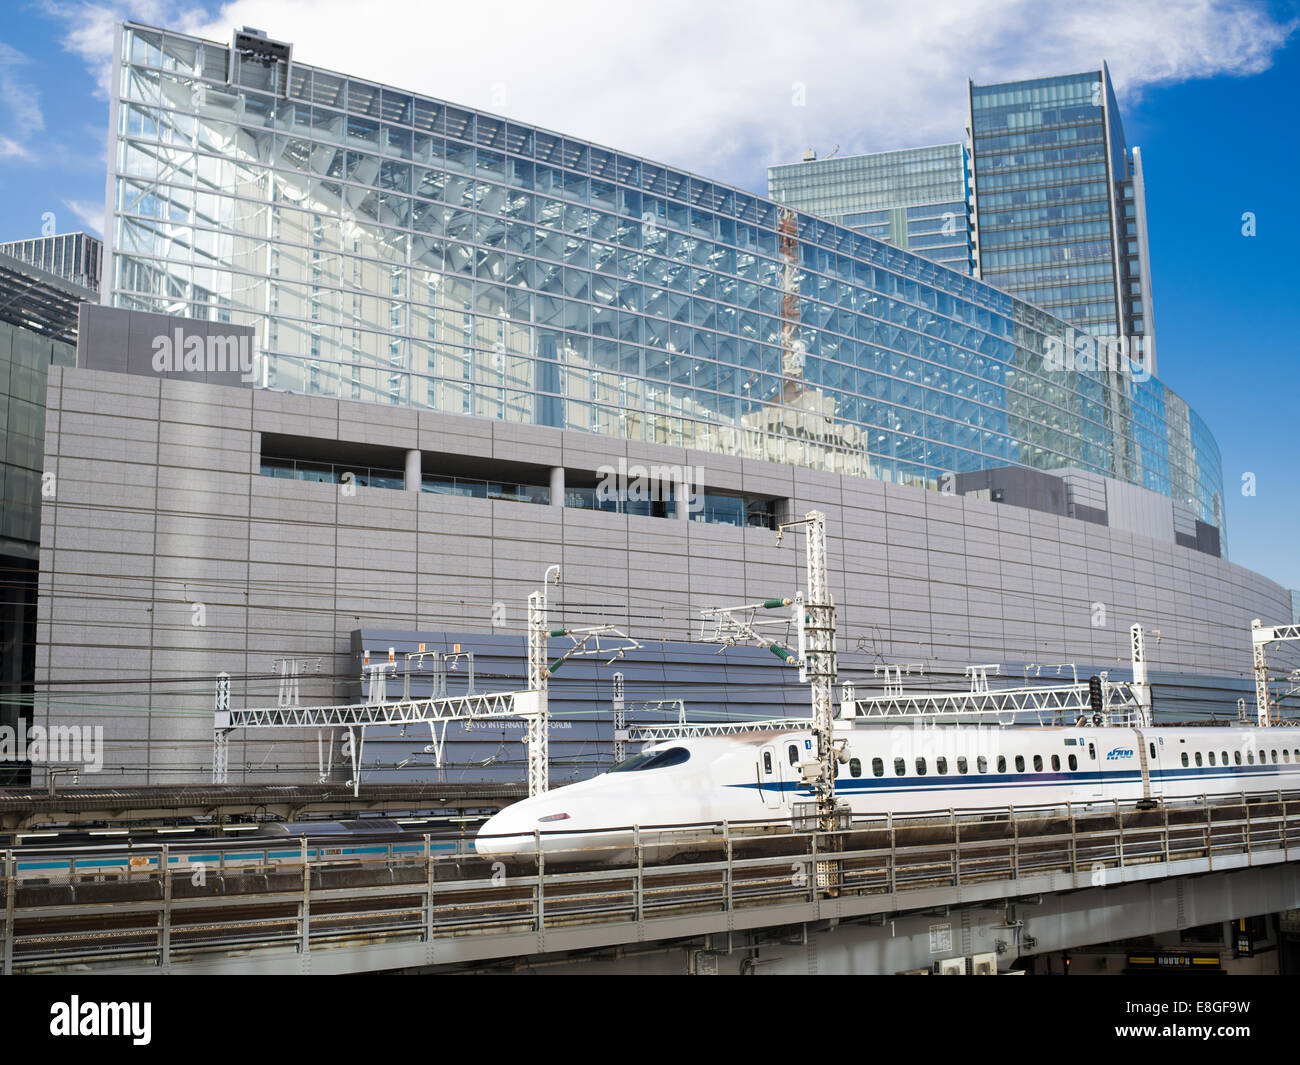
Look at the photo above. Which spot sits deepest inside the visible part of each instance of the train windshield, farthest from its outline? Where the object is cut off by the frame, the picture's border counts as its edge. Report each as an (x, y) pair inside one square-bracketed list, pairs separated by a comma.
[(653, 760)]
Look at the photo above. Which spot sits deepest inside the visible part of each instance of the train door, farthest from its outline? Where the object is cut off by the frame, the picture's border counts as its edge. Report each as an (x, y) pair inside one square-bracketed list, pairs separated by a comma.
[(1090, 762), (1119, 770), (770, 776)]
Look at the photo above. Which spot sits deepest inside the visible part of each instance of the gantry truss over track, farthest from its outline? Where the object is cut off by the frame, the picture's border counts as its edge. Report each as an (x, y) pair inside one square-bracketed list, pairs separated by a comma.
[(1048, 704), (691, 729), (1101, 700), (355, 718), (437, 711)]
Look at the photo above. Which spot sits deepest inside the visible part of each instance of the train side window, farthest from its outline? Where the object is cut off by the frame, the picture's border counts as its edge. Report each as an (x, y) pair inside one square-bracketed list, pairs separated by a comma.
[(1056, 763), (961, 763), (1038, 763), (1185, 758), (1236, 757), (1275, 757), (1198, 758), (767, 761), (855, 767), (920, 767), (793, 753), (877, 767), (1074, 762), (1286, 755), (941, 766), (1020, 763), (1224, 755), (1002, 763), (982, 764), (1250, 757), (1212, 758), (1153, 750), (900, 767), (1092, 751)]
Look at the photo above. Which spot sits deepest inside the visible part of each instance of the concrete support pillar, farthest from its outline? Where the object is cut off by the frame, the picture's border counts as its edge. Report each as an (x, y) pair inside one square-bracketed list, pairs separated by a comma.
[(682, 500), (413, 471), (557, 486)]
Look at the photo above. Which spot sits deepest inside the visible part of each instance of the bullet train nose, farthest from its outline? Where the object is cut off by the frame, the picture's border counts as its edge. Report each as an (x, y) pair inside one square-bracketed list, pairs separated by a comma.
[(512, 831)]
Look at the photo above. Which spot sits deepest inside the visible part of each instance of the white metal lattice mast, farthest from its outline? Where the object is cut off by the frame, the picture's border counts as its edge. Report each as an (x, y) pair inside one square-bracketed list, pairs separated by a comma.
[(817, 661), (620, 721), (221, 738), (1261, 636), (1141, 679), (539, 674)]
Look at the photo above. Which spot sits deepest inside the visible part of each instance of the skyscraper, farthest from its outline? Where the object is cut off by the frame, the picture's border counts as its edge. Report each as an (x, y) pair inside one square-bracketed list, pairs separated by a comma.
[(1059, 203), (915, 198)]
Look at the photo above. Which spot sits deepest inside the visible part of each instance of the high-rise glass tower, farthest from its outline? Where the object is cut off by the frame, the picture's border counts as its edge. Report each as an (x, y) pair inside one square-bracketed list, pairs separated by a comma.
[(915, 198), (1059, 203)]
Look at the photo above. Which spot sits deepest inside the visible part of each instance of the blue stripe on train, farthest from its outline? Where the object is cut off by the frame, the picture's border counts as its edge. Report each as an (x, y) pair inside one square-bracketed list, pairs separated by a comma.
[(969, 782)]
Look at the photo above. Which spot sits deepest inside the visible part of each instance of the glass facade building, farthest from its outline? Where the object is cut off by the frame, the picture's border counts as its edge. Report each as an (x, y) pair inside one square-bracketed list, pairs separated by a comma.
[(914, 199), (400, 249), (1060, 208)]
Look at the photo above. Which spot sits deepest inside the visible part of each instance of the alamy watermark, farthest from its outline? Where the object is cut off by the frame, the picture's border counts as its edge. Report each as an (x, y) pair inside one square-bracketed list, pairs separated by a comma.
[(651, 484), (179, 352), (58, 744), (1086, 353)]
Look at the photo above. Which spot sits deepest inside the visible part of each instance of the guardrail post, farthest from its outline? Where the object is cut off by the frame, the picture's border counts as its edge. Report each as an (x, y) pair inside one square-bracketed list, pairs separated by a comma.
[(428, 893), (893, 852), (165, 933), (956, 849), (304, 916), (11, 897), (1015, 846), (1209, 834), (1249, 849), (1164, 835), (730, 898), (813, 893), (1119, 837), (1074, 842), (541, 878), (1286, 846), (640, 874)]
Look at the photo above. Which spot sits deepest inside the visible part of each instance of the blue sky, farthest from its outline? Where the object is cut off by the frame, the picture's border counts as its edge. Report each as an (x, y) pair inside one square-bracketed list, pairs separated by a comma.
[(1207, 89)]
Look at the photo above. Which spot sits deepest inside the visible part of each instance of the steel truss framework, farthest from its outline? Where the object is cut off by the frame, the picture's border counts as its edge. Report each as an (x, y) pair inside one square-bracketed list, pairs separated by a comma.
[(1261, 636), (437, 712), (1060, 703)]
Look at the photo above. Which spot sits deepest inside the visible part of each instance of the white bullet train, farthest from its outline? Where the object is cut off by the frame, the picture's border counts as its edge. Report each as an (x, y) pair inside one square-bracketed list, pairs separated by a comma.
[(755, 777)]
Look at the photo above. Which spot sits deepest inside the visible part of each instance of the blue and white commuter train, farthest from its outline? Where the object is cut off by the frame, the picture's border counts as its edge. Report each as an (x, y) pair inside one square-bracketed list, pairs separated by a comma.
[(756, 776)]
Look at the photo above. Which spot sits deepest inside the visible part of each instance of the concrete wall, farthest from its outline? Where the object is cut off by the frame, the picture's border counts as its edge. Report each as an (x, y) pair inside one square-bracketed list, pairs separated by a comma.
[(166, 558)]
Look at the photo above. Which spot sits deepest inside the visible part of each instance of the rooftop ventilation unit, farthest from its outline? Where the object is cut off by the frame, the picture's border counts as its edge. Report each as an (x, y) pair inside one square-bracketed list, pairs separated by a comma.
[(252, 45)]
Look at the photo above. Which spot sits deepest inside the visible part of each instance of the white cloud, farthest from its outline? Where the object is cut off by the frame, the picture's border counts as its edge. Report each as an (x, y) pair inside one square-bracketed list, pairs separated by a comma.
[(90, 27), (712, 87), (91, 215), (21, 101), (11, 149)]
